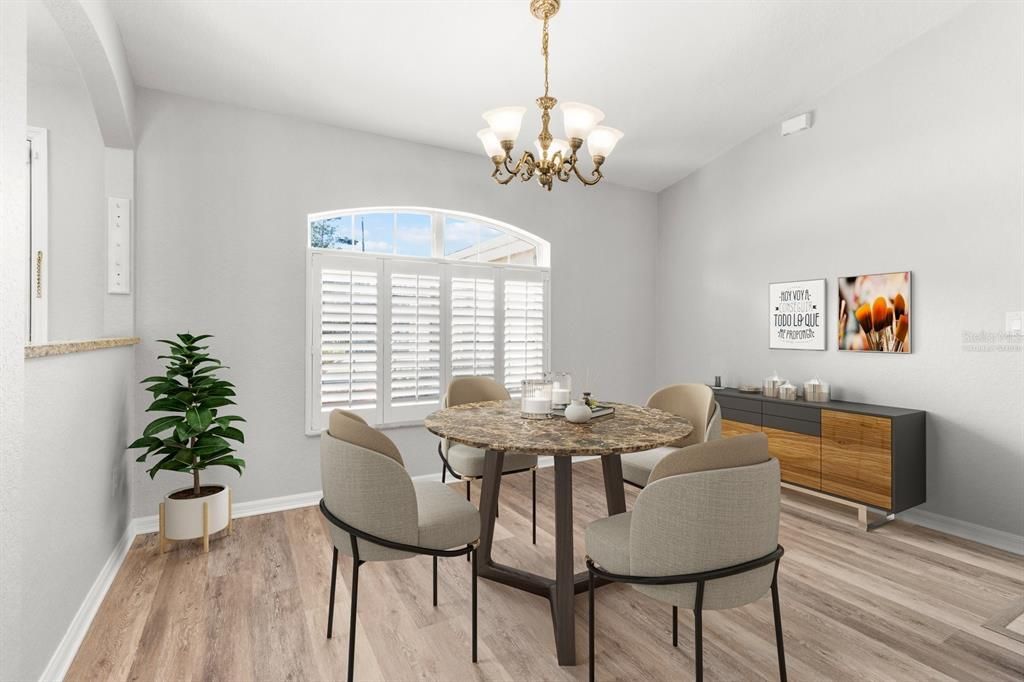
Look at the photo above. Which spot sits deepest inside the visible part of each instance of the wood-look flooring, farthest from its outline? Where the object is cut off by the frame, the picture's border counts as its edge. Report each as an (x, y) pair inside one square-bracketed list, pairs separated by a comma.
[(899, 603)]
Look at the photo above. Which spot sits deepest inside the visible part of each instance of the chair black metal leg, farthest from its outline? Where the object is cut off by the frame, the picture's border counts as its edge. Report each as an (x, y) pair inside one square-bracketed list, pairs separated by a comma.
[(352, 620), (472, 561), (778, 625), (334, 584), (444, 473), (533, 473), (675, 626), (698, 634), (468, 556), (435, 581), (590, 625)]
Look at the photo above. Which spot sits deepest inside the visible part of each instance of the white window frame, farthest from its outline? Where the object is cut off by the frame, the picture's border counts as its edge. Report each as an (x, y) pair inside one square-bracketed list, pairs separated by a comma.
[(39, 222), (385, 415)]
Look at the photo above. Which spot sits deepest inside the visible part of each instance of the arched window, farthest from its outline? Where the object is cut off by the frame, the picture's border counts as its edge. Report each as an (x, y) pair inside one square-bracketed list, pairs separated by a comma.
[(403, 299)]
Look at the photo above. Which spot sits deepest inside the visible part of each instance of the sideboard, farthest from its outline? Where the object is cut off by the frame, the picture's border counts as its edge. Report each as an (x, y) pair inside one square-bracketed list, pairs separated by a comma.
[(862, 455)]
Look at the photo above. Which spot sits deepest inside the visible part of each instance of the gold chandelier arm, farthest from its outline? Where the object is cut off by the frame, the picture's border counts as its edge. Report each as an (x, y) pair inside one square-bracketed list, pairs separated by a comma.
[(498, 178), (596, 173), (564, 166), (525, 167)]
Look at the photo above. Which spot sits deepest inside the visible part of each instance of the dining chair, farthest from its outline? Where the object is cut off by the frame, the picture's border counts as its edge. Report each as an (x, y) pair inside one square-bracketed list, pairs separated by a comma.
[(703, 535), (695, 402), (466, 463), (378, 513)]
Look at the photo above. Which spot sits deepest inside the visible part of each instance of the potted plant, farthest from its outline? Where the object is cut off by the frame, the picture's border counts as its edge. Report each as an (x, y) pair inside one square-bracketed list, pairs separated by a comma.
[(191, 438)]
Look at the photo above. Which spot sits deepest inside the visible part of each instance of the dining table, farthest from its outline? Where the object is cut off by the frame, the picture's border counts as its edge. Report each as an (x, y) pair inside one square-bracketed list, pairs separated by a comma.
[(498, 427)]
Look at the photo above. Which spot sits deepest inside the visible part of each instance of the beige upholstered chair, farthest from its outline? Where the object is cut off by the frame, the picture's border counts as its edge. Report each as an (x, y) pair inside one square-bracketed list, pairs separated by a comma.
[(466, 463), (378, 513), (703, 534), (697, 403)]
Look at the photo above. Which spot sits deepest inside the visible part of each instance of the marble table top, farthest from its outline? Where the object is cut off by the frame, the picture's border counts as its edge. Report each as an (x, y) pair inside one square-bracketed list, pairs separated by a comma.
[(497, 425)]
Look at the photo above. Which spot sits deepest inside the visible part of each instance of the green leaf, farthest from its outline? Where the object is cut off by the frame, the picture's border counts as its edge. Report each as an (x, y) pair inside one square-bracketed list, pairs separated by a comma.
[(211, 403), (196, 339), (220, 392), (182, 431), (231, 432), (195, 422), (167, 405), (233, 462), (146, 441), (160, 425), (206, 452)]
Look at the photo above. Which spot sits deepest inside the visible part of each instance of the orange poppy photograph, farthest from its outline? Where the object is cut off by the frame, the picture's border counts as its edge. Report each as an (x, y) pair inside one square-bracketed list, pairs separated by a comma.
[(874, 313)]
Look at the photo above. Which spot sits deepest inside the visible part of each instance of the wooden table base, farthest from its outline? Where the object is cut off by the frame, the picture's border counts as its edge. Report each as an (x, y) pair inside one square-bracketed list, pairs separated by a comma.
[(560, 590)]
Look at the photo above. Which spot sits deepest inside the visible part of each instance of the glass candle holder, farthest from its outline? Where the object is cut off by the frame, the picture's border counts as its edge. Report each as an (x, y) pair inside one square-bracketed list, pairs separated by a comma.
[(561, 388), (536, 399)]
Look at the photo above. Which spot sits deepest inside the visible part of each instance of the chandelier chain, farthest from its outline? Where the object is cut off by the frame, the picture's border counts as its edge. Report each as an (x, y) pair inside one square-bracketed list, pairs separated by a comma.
[(544, 50)]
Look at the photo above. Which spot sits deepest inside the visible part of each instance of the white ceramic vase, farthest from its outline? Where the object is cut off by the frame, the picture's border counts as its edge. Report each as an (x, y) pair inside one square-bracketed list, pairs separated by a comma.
[(578, 412), (184, 518)]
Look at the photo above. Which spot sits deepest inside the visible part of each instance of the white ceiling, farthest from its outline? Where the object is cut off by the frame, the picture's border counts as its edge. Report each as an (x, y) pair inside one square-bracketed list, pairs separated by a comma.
[(684, 80)]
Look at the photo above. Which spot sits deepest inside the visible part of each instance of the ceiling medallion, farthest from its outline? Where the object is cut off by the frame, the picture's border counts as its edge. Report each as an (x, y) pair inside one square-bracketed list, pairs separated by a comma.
[(555, 158)]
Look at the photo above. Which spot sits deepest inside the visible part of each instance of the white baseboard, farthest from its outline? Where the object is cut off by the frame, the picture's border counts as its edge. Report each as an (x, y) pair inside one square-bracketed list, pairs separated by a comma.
[(150, 524), (68, 647), (970, 531)]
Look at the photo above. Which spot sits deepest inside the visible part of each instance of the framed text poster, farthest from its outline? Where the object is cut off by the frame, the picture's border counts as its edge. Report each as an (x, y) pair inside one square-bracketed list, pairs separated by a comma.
[(796, 315)]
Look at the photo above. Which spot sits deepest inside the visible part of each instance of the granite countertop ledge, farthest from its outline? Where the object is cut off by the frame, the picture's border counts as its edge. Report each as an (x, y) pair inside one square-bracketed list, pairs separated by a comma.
[(42, 350)]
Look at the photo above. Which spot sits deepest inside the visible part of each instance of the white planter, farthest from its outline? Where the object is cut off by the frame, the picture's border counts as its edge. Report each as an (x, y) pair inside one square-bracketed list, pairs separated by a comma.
[(199, 517)]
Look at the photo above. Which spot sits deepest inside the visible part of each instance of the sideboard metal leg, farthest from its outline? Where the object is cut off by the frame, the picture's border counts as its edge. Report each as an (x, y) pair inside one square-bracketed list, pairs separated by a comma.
[(866, 524)]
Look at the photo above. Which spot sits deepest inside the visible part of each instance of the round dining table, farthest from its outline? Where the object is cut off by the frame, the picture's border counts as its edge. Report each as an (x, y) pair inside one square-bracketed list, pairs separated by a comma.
[(497, 427)]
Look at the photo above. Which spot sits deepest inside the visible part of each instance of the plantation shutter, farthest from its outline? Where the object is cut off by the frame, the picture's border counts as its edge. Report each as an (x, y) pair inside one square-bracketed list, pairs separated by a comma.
[(524, 332), (472, 323), (346, 357), (414, 369)]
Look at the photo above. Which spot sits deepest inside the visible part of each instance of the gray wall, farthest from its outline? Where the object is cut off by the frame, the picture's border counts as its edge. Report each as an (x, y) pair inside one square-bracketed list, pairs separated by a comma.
[(65, 487), (76, 267), (76, 427), (915, 164), (222, 199)]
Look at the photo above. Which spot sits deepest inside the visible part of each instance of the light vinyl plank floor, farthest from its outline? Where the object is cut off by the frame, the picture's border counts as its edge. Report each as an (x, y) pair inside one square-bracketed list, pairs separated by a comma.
[(899, 603)]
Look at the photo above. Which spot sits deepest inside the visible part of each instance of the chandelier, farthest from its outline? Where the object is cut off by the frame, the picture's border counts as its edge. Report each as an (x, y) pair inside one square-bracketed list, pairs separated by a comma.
[(555, 158)]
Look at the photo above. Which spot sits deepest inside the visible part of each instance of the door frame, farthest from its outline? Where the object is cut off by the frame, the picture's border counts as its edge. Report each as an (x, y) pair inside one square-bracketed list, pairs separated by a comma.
[(39, 222)]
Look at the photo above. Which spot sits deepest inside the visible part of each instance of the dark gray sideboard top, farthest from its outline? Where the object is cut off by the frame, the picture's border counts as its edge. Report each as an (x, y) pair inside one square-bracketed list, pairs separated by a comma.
[(837, 405)]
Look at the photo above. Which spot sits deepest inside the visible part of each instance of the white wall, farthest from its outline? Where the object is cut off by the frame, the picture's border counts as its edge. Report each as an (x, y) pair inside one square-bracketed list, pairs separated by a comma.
[(59, 101), (223, 194), (915, 164)]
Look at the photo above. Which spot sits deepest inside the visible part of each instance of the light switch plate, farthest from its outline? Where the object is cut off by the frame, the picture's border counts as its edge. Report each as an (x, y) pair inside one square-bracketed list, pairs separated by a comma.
[(119, 252), (1015, 324)]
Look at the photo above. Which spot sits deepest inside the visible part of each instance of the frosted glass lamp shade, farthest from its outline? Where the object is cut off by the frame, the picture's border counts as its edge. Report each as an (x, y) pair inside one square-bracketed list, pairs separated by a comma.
[(557, 145), (580, 119), (602, 140), (505, 122), (490, 142)]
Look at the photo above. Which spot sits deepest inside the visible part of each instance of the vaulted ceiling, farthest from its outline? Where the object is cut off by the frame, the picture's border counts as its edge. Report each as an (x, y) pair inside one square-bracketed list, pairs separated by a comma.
[(684, 80)]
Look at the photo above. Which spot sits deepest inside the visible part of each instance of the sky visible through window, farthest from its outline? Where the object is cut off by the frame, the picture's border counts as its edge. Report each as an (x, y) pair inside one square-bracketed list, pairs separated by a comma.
[(412, 235)]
